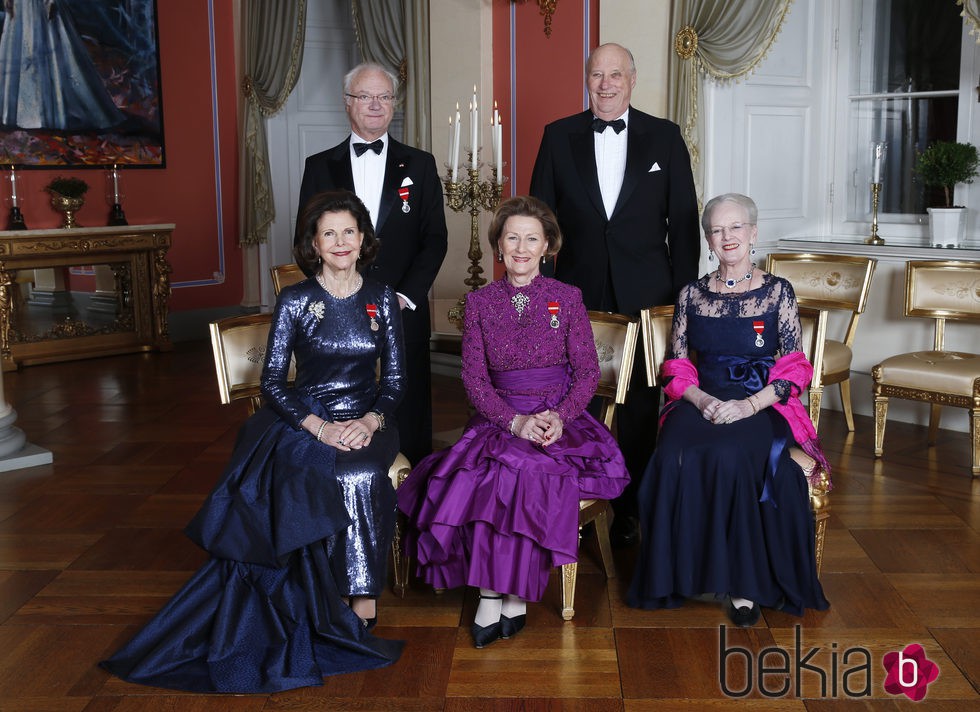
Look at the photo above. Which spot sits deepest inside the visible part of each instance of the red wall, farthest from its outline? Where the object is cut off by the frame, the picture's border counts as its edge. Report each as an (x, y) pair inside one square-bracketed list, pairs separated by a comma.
[(540, 78), (201, 136)]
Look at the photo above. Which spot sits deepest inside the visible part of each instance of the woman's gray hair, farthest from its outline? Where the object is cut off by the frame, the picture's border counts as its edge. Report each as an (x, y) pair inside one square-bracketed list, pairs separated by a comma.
[(364, 66), (743, 201)]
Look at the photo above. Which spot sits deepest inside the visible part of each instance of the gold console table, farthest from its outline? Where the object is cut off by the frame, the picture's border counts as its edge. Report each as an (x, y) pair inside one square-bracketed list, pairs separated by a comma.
[(121, 304)]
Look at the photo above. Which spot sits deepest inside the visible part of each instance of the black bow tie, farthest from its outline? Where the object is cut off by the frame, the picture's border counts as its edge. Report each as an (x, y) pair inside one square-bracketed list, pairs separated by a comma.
[(599, 125), (376, 146)]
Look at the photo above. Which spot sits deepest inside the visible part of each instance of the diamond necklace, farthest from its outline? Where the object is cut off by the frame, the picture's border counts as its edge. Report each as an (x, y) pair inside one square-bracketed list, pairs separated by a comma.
[(730, 283), (354, 287)]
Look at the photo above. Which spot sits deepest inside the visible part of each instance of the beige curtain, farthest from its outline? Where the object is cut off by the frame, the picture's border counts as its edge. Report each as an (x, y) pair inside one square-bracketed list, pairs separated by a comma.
[(720, 40), (971, 15), (395, 34), (273, 54)]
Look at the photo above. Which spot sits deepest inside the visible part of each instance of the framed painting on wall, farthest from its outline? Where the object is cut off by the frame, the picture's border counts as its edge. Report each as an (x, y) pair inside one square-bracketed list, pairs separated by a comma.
[(80, 84)]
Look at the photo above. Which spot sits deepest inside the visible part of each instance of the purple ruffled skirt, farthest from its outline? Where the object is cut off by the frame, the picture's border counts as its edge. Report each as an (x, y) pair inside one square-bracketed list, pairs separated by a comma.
[(499, 512)]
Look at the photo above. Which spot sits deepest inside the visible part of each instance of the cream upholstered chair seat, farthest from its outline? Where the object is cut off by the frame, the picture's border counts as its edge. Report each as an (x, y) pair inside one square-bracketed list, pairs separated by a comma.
[(939, 290), (615, 338), (238, 344), (656, 325), (951, 372), (836, 356)]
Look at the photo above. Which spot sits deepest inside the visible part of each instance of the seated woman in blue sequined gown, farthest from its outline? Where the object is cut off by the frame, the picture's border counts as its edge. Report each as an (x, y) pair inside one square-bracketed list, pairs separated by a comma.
[(724, 506), (300, 524), (499, 509)]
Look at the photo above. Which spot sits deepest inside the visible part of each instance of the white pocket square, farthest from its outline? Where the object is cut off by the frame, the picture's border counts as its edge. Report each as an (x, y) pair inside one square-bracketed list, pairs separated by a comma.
[(654, 168), (407, 181)]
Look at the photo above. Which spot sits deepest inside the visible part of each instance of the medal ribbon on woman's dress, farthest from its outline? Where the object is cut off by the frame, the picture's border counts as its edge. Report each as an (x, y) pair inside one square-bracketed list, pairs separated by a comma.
[(759, 327), (372, 311), (553, 308)]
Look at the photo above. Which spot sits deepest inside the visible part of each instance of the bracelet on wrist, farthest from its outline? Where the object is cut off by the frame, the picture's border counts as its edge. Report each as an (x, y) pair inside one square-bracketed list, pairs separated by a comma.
[(513, 422), (755, 406), (319, 431), (379, 417)]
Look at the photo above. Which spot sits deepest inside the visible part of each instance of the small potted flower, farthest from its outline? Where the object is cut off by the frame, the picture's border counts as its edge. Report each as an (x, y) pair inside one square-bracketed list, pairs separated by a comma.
[(942, 165), (67, 196)]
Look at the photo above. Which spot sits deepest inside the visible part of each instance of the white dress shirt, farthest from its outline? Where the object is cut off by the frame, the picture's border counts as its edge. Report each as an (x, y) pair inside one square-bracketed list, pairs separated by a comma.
[(368, 170), (610, 162)]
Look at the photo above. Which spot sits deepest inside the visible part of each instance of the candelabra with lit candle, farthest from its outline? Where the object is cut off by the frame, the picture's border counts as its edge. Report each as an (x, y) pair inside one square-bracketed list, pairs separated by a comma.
[(472, 193)]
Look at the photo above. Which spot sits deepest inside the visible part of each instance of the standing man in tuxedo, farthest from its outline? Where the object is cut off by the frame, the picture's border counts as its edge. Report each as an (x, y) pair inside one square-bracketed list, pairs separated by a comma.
[(400, 187), (621, 184)]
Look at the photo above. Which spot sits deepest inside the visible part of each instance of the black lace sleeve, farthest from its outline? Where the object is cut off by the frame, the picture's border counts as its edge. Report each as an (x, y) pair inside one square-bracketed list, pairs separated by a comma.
[(790, 333), (677, 347)]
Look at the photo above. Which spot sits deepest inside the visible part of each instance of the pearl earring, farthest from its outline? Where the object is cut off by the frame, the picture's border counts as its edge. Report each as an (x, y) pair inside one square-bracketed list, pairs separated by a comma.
[(500, 257)]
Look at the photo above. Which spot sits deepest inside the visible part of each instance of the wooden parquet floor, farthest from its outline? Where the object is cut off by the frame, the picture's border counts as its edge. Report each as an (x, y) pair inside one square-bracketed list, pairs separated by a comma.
[(92, 545)]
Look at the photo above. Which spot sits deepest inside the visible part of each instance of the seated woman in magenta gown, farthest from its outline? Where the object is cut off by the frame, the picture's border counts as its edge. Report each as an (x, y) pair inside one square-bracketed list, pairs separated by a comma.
[(499, 509), (724, 506), (300, 524)]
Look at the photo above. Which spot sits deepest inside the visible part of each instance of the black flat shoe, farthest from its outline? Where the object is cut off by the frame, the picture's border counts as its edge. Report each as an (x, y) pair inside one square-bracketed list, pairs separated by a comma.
[(743, 616), (510, 627), (484, 635)]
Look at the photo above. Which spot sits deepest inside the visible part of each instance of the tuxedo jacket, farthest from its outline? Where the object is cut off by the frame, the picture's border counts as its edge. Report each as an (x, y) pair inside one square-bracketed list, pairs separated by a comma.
[(650, 245), (413, 243)]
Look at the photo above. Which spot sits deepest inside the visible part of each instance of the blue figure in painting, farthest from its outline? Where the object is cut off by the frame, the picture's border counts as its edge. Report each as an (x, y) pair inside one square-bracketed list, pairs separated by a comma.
[(47, 77)]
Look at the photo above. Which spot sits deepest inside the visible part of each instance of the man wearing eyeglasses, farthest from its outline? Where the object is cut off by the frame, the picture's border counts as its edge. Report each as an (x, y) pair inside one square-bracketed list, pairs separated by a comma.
[(401, 189), (621, 185)]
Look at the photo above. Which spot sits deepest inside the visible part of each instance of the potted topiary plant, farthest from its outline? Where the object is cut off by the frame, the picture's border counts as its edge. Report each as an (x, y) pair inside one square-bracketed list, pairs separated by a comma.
[(942, 165), (67, 196)]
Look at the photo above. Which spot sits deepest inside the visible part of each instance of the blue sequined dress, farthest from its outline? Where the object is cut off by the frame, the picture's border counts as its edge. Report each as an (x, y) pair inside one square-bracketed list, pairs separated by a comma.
[(293, 525), (715, 516)]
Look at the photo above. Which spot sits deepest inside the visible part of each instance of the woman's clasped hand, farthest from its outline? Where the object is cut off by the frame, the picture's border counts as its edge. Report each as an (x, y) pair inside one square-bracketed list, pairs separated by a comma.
[(543, 428), (345, 435), (722, 412)]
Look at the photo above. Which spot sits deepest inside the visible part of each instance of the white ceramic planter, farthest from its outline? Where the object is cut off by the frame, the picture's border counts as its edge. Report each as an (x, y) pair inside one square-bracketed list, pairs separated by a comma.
[(947, 226)]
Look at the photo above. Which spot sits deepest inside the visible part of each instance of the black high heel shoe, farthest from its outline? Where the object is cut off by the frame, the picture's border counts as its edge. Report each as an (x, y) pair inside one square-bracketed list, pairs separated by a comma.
[(484, 635), (509, 627)]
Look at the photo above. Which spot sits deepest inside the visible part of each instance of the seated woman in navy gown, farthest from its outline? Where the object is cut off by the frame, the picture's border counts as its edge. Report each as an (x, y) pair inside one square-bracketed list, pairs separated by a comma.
[(301, 521), (499, 509), (724, 506)]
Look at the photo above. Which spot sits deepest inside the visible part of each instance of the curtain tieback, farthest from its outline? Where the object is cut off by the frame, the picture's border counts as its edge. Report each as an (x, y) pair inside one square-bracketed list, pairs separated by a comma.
[(686, 42)]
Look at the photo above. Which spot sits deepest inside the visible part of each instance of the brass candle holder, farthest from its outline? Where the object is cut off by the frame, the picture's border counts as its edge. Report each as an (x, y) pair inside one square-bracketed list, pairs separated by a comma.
[(476, 196), (874, 239)]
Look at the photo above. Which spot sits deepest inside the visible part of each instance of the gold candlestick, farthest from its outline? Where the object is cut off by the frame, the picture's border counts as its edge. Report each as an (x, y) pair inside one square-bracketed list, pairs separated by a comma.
[(477, 196), (874, 239)]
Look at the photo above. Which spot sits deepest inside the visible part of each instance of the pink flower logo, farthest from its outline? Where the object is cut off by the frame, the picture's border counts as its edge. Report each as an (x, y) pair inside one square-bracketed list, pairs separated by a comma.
[(909, 672)]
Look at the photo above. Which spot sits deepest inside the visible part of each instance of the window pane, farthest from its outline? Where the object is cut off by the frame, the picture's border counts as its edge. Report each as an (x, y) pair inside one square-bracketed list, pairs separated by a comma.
[(913, 52), (917, 45)]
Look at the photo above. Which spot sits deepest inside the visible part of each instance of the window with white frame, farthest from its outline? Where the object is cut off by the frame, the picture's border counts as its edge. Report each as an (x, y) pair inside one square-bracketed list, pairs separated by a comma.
[(910, 76)]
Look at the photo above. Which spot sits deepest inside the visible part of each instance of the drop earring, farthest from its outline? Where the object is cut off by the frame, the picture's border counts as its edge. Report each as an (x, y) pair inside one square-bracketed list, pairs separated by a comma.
[(500, 257), (752, 251), (711, 255)]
